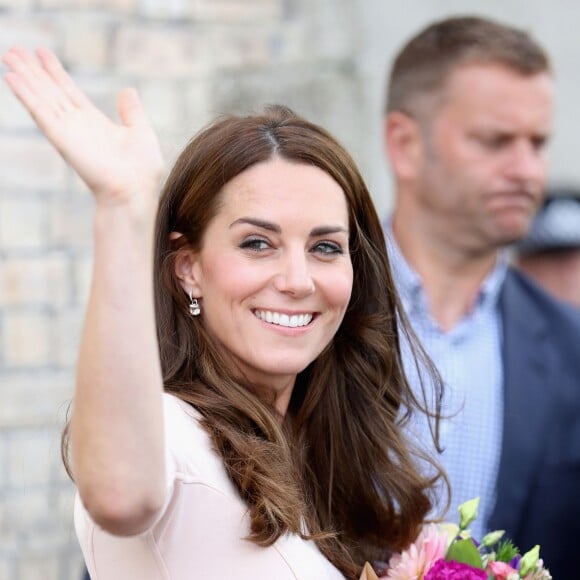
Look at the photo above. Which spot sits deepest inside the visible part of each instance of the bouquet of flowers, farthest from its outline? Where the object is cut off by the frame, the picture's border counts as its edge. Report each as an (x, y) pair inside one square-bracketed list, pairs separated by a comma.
[(448, 552)]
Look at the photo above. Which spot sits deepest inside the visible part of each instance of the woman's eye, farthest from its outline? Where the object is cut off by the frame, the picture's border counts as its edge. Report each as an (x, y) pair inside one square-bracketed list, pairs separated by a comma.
[(328, 248), (255, 244)]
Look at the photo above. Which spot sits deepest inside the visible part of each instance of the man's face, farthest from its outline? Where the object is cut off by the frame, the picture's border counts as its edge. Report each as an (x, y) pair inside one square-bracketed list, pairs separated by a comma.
[(483, 166)]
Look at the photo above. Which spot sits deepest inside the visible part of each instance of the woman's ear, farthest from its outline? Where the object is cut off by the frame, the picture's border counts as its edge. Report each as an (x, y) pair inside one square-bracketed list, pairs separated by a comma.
[(188, 269)]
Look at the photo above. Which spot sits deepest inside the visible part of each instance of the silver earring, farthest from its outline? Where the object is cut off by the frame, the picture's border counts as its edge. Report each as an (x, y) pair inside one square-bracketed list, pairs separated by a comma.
[(194, 307)]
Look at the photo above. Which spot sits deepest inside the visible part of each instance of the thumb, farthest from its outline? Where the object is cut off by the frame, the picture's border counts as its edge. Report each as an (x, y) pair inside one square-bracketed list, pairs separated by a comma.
[(130, 107)]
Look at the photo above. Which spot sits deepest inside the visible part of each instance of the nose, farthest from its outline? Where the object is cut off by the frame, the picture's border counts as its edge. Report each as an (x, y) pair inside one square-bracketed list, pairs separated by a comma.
[(294, 276), (527, 162)]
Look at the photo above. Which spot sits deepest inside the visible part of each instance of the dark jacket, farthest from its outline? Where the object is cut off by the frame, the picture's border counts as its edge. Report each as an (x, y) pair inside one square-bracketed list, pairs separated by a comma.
[(538, 488)]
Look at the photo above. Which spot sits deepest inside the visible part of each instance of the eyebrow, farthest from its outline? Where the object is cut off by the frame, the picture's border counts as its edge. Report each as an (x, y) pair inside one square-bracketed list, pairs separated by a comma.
[(272, 227), (508, 130)]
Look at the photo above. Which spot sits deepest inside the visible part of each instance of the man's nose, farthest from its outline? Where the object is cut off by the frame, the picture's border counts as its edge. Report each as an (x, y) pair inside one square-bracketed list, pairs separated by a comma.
[(527, 162)]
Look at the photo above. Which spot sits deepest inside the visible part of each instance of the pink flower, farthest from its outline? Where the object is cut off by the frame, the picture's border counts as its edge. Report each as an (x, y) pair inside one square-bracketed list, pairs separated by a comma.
[(501, 570), (443, 570), (418, 558)]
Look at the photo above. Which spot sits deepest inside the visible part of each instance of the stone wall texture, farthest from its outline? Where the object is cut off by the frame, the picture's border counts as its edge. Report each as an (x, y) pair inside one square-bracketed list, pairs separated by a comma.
[(191, 60)]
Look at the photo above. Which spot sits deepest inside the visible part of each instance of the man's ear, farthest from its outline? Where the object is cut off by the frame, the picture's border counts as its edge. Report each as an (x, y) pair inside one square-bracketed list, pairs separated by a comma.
[(404, 143)]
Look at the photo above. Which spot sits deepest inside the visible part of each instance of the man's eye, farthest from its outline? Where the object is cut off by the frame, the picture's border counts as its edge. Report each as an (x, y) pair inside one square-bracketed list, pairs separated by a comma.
[(328, 248), (539, 143), (255, 244), (495, 142)]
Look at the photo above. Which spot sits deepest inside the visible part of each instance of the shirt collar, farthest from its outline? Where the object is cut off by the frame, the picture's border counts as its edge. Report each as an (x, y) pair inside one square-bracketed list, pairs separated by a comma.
[(409, 284)]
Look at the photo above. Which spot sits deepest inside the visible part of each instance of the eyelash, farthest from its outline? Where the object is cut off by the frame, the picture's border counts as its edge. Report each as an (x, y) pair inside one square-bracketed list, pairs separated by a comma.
[(326, 248), (330, 248), (253, 243)]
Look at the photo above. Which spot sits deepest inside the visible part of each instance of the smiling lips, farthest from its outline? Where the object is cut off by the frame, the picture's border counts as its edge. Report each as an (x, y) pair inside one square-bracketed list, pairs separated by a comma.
[(281, 319)]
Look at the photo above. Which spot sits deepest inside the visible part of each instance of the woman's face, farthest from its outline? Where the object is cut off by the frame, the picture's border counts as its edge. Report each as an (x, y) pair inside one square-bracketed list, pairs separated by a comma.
[(274, 273)]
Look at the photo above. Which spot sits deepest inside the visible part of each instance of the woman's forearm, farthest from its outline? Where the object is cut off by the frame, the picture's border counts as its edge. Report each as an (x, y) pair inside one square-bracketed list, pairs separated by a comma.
[(117, 421)]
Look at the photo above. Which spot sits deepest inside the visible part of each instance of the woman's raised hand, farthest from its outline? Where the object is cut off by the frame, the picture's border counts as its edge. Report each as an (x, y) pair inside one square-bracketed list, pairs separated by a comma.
[(118, 362), (120, 163)]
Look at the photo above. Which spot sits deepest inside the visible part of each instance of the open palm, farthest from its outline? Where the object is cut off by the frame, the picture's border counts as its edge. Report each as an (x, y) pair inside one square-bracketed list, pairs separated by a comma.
[(120, 163)]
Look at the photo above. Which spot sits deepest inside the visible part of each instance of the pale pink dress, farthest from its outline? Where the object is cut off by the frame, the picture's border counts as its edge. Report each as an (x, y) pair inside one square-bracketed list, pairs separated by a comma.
[(200, 533)]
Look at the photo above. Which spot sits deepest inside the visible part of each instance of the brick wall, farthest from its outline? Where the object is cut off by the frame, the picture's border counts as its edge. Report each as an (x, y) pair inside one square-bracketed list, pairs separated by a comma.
[(191, 59)]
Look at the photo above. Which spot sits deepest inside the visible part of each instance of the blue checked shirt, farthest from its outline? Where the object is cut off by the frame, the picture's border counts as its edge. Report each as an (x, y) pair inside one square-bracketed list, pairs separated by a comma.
[(469, 360)]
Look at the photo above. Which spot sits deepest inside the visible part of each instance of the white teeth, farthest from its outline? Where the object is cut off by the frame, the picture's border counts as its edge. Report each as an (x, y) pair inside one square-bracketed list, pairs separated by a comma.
[(283, 319)]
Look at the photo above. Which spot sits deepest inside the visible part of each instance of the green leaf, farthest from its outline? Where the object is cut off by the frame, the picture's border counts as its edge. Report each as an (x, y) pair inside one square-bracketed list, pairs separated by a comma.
[(506, 551), (464, 551)]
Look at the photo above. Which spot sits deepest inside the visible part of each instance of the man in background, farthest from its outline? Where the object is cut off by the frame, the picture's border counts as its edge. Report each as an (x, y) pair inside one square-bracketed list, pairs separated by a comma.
[(468, 115), (550, 253)]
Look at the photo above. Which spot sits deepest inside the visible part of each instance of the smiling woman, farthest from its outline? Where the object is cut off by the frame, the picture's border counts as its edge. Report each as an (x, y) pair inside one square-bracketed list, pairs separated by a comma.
[(273, 273), (240, 392)]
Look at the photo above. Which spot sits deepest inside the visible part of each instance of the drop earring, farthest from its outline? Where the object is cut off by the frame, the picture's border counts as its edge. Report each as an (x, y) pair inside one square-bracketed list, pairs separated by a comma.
[(194, 307)]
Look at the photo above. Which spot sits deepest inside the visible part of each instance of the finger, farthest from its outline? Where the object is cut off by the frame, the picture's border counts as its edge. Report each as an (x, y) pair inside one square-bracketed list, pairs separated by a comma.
[(23, 63), (58, 74), (46, 83), (36, 107), (20, 89), (16, 66), (20, 57), (130, 107)]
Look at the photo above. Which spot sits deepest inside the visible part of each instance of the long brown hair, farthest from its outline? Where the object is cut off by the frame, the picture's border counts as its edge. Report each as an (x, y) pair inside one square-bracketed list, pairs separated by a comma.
[(338, 463)]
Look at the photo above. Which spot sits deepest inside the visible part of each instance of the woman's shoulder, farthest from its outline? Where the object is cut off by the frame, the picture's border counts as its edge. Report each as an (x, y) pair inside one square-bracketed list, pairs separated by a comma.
[(182, 417), (186, 441), (176, 407)]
